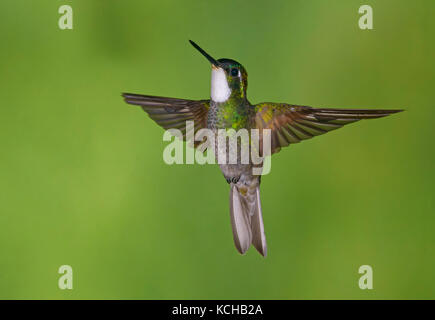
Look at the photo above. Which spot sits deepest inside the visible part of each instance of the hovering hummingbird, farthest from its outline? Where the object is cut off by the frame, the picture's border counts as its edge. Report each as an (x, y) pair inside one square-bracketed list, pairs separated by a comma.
[(229, 107)]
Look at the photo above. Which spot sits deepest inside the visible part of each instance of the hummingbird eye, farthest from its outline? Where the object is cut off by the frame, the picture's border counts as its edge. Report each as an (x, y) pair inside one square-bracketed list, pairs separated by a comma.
[(234, 72)]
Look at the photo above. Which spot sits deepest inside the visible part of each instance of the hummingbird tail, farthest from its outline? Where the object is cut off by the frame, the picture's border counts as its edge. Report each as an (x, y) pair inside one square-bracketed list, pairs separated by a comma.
[(257, 226), (247, 221)]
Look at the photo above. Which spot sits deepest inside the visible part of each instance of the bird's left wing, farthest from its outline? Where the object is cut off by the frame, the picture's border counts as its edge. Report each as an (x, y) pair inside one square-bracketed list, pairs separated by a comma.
[(172, 113), (291, 123)]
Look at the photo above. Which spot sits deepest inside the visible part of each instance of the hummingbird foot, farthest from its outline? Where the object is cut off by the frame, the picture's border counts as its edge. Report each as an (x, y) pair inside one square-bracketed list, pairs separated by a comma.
[(232, 179)]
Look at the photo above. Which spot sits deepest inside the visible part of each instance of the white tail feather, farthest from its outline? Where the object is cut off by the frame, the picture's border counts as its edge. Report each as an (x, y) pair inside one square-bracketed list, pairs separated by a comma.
[(258, 235), (247, 221), (240, 222)]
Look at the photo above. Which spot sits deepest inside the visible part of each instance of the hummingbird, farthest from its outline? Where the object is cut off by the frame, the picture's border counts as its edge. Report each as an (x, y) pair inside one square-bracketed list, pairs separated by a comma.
[(229, 108)]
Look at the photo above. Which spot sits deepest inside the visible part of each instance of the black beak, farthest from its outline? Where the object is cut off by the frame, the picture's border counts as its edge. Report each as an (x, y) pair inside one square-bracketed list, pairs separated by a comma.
[(205, 54)]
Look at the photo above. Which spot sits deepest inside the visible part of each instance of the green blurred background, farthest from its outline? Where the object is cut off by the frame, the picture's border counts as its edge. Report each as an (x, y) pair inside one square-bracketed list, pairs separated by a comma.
[(83, 183)]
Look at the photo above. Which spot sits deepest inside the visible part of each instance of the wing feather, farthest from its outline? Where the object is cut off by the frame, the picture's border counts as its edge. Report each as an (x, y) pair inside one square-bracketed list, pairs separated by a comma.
[(172, 113), (291, 124)]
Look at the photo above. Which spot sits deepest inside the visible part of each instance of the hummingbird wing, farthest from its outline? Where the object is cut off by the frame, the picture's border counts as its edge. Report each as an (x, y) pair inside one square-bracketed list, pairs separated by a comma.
[(292, 123), (172, 113)]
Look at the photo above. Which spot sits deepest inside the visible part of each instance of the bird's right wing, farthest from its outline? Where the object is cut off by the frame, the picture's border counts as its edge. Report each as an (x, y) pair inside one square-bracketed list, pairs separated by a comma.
[(291, 123), (172, 113)]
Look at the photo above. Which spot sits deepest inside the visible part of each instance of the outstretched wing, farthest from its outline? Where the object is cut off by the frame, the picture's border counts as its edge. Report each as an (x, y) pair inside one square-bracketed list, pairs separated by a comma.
[(291, 123), (172, 113)]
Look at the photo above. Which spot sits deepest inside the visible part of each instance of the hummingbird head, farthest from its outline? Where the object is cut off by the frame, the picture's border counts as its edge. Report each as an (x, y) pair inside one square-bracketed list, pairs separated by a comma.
[(228, 77)]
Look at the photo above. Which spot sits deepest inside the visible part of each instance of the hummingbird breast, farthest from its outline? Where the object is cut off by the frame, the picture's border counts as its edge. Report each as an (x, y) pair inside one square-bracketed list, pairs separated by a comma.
[(230, 115)]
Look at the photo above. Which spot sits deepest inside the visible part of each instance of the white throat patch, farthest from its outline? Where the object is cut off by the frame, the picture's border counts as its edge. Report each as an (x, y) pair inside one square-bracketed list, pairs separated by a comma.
[(220, 91)]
